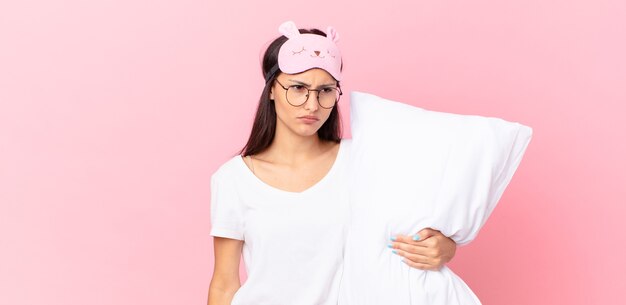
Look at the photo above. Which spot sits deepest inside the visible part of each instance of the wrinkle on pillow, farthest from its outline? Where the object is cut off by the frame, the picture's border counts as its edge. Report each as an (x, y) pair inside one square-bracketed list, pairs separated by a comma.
[(411, 169)]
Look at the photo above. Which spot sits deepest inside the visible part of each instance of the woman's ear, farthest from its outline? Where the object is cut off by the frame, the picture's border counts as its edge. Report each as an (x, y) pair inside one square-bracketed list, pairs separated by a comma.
[(271, 93)]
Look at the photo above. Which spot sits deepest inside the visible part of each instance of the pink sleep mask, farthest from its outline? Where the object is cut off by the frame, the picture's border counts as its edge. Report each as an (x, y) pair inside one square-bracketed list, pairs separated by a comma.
[(302, 52)]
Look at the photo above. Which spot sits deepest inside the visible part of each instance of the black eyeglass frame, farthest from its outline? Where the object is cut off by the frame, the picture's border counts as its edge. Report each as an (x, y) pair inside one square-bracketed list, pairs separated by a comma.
[(309, 93)]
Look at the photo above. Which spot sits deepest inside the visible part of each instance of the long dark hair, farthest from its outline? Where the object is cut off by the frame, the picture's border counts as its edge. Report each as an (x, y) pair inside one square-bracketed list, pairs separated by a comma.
[(264, 126)]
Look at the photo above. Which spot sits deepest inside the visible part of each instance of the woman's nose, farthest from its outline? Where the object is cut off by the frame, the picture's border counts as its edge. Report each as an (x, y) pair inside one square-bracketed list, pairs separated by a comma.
[(312, 100)]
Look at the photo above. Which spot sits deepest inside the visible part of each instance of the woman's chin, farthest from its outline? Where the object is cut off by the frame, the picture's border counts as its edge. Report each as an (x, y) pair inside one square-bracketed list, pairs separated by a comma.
[(307, 130)]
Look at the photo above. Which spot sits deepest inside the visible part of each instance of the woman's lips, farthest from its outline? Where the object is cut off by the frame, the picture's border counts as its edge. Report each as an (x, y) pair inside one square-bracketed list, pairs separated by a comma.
[(308, 119)]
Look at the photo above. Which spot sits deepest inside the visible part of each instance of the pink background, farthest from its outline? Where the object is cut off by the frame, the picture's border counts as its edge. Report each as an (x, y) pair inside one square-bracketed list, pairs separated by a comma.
[(114, 114)]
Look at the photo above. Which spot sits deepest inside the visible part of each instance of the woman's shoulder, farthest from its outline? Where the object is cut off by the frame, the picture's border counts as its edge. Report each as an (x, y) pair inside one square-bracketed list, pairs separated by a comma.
[(228, 168)]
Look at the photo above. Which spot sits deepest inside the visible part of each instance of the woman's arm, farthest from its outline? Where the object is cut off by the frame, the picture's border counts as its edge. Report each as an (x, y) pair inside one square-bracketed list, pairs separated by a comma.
[(225, 281), (429, 249)]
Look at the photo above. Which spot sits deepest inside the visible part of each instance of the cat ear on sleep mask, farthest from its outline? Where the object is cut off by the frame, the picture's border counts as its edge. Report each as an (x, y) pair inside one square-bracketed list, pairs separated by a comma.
[(302, 52)]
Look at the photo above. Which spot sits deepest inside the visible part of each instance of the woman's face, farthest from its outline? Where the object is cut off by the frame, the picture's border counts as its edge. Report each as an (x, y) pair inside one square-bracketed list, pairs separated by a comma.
[(289, 116)]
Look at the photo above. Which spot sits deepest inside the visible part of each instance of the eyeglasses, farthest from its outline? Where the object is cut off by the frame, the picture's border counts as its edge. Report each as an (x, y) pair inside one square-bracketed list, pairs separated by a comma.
[(298, 94)]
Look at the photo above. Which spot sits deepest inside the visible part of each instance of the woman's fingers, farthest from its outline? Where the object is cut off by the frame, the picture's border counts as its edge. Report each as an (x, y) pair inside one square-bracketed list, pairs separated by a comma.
[(422, 250), (425, 233), (414, 248), (407, 239), (417, 254), (418, 261), (410, 240), (420, 266)]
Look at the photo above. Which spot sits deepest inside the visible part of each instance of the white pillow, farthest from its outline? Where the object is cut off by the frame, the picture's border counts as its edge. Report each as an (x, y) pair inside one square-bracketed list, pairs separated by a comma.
[(413, 168)]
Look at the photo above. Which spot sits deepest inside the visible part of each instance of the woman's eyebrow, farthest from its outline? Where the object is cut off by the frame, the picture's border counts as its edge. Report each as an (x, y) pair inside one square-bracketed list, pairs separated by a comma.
[(300, 83), (309, 85)]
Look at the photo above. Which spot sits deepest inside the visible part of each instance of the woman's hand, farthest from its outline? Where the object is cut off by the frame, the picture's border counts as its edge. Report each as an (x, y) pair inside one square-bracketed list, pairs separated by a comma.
[(429, 249)]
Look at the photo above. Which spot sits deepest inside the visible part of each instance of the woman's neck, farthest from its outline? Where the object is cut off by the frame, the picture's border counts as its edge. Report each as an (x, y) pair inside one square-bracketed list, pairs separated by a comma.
[(294, 149)]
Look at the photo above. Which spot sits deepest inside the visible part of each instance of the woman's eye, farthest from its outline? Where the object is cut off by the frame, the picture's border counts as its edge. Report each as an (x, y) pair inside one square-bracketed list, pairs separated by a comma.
[(328, 90)]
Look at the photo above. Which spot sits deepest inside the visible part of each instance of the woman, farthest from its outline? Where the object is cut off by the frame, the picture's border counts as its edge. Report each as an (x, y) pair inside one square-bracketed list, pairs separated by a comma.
[(282, 203)]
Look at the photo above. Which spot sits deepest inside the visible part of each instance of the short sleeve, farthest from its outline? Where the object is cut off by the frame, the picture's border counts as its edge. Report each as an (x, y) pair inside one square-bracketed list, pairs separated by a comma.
[(226, 214)]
